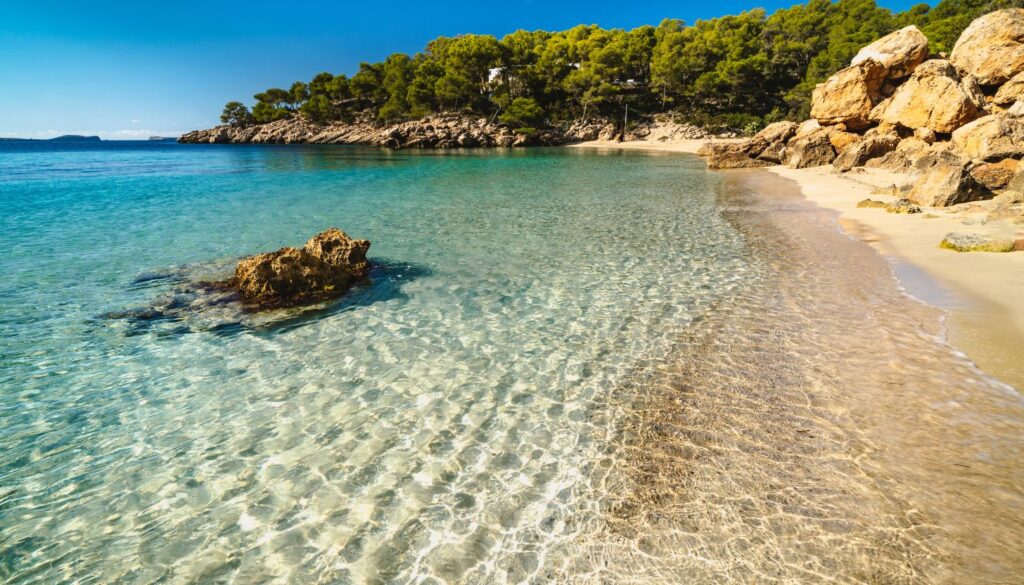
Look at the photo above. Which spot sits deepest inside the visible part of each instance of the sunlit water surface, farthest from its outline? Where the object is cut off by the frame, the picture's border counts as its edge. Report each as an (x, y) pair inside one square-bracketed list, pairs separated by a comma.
[(569, 365)]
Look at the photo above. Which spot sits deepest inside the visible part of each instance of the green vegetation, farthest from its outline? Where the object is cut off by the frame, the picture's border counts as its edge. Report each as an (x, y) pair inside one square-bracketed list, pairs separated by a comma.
[(739, 71)]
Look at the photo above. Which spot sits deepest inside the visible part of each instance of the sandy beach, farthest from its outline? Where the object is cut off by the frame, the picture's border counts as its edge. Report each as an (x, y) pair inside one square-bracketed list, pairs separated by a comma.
[(979, 291)]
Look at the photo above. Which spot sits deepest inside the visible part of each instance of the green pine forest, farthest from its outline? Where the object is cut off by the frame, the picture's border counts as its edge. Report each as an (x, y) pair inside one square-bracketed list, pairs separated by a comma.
[(738, 72)]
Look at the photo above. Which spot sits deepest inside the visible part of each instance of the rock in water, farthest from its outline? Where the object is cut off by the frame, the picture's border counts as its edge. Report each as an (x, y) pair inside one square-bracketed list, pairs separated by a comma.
[(992, 47), (899, 52), (326, 267), (935, 97), (337, 249)]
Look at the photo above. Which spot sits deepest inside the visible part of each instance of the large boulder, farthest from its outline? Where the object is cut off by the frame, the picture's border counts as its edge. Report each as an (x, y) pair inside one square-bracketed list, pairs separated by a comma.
[(848, 96), (770, 144), (935, 97), (992, 48), (947, 184), (814, 150), (1010, 91), (991, 138), (729, 155), (861, 152), (327, 266), (899, 52)]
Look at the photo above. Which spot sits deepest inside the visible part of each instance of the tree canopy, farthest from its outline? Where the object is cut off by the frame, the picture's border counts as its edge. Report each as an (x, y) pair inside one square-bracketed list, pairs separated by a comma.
[(750, 68)]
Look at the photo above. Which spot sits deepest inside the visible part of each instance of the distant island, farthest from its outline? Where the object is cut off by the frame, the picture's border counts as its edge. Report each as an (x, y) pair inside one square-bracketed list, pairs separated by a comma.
[(64, 138), (163, 139)]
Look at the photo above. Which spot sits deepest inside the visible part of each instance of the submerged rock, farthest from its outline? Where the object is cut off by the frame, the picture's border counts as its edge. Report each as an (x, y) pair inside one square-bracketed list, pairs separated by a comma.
[(326, 267), (961, 242)]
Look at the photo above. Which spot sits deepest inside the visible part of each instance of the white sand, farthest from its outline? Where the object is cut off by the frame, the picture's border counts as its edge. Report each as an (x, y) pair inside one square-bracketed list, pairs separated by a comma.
[(986, 300)]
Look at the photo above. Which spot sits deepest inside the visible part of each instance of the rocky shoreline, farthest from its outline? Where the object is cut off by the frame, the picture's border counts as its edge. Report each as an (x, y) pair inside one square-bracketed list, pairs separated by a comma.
[(439, 131), (954, 126)]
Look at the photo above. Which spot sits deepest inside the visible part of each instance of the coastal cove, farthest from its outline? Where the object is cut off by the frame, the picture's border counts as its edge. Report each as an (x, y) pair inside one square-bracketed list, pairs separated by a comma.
[(569, 365)]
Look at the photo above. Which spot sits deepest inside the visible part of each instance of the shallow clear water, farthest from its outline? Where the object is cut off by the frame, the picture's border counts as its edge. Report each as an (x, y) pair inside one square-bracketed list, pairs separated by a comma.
[(570, 366), (440, 422)]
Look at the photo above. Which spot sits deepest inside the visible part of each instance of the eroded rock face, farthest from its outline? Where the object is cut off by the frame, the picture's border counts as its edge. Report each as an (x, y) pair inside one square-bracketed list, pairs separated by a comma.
[(861, 152), (899, 52), (935, 97), (992, 48), (991, 138), (814, 150), (1011, 91), (997, 175), (770, 144), (848, 96), (947, 184), (326, 267), (729, 155)]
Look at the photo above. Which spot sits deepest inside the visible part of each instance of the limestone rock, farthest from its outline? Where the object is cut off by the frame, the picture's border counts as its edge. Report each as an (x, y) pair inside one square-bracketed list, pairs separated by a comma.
[(327, 266), (729, 155), (962, 242), (899, 52), (991, 138), (848, 96), (947, 184), (902, 206), (992, 47), (770, 143), (995, 176), (871, 204), (935, 97), (1011, 91), (814, 150), (861, 152), (926, 135), (335, 248)]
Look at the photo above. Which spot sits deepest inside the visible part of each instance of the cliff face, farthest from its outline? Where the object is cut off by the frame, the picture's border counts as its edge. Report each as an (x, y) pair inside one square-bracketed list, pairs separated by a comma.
[(439, 131)]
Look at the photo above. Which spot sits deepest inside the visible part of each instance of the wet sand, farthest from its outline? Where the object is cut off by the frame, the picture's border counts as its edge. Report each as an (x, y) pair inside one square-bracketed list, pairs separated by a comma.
[(980, 292), (814, 427)]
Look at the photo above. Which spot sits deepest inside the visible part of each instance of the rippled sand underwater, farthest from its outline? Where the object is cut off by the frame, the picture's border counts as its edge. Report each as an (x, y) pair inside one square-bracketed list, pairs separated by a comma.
[(571, 367), (812, 428)]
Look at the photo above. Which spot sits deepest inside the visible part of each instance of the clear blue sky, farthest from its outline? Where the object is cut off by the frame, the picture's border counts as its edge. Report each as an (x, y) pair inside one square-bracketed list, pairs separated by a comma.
[(129, 70)]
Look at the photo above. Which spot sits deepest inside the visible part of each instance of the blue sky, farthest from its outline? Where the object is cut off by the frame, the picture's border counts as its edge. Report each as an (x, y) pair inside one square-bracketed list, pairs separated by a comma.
[(131, 70)]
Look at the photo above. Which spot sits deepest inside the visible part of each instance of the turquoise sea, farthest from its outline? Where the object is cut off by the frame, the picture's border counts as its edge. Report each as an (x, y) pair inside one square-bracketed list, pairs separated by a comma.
[(591, 366), (441, 421)]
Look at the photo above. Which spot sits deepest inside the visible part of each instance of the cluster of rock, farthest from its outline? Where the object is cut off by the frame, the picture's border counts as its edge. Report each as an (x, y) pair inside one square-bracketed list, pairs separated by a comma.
[(956, 124), (326, 267), (438, 131)]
